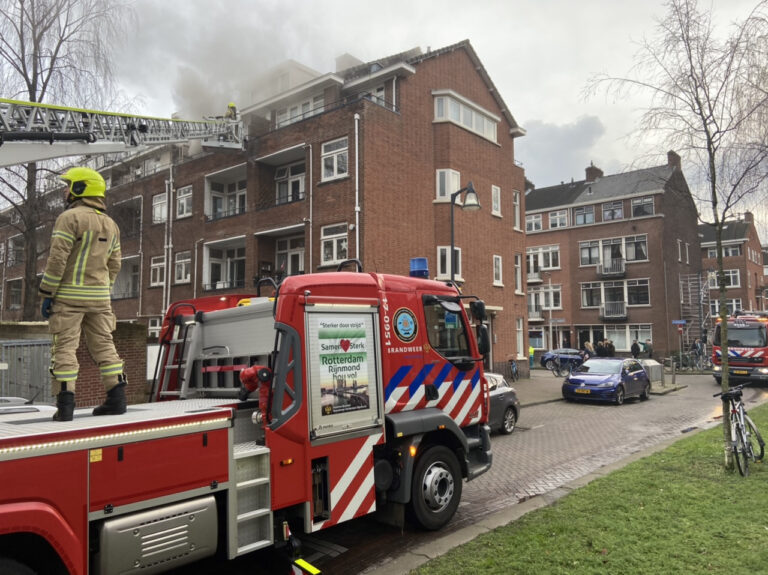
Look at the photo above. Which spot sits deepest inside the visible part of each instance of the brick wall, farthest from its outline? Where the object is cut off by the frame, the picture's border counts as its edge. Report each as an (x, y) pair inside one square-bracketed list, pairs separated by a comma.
[(131, 344)]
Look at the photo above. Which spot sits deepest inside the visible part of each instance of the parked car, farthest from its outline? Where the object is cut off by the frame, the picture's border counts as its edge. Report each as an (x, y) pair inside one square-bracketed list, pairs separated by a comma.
[(608, 379), (568, 356), (505, 406)]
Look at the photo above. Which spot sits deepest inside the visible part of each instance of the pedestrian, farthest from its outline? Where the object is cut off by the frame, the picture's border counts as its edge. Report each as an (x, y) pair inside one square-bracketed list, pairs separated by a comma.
[(600, 349), (83, 262), (697, 348), (649, 348), (610, 349), (589, 348), (530, 355), (635, 349)]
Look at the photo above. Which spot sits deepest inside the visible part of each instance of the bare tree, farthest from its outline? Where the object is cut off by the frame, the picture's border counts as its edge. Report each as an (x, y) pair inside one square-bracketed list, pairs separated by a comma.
[(57, 51), (708, 99)]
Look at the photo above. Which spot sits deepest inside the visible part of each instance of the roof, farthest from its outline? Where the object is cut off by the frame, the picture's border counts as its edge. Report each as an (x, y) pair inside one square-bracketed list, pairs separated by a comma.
[(732, 231), (634, 183)]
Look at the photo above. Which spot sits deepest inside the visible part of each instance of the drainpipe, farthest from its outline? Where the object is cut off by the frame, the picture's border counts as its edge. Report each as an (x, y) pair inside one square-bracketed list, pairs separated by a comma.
[(357, 186), (394, 94), (311, 198), (194, 285), (168, 238), (141, 251)]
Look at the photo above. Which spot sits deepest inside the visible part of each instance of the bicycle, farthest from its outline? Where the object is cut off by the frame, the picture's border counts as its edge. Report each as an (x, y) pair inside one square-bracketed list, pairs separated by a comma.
[(560, 370), (515, 375), (744, 433)]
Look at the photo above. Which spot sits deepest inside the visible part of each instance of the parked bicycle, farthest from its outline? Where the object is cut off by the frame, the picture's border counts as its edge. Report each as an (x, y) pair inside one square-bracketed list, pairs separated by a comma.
[(562, 369), (747, 443)]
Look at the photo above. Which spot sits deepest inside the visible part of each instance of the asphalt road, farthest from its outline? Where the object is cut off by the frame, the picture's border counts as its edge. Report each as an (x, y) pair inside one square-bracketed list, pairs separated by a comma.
[(555, 443)]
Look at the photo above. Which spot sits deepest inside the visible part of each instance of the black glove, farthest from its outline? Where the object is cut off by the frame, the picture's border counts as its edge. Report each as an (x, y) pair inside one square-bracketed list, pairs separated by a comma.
[(46, 309)]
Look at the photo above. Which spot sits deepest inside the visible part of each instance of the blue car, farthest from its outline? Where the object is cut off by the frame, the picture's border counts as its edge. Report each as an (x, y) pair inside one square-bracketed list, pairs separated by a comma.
[(608, 379), (568, 357)]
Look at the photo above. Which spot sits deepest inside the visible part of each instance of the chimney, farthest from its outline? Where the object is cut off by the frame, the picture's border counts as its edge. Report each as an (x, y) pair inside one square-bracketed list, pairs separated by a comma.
[(593, 172), (673, 160), (749, 218)]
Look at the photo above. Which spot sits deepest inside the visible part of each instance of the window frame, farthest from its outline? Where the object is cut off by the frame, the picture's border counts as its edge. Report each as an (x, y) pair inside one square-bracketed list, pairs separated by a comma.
[(445, 178), (533, 223), (184, 199), (160, 204), (584, 213), (498, 278), (558, 219), (334, 238), (157, 271), (640, 204), (334, 154), (516, 203), (181, 264), (612, 208), (443, 269), (495, 200)]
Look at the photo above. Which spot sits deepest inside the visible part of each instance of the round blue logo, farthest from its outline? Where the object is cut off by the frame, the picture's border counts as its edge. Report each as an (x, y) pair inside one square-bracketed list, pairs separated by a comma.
[(405, 325)]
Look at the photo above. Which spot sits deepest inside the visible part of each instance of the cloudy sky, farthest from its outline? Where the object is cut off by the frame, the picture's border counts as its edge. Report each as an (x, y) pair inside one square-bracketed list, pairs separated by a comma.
[(193, 56)]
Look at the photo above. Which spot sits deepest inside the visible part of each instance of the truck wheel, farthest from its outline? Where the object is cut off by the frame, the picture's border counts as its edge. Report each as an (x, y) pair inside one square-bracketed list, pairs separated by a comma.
[(12, 567), (436, 487)]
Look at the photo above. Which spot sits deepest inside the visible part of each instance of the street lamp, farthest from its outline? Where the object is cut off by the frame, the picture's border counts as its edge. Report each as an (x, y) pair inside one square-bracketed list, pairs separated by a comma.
[(470, 203)]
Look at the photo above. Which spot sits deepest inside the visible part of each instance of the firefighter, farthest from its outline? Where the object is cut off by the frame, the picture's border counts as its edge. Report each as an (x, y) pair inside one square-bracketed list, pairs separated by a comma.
[(83, 262)]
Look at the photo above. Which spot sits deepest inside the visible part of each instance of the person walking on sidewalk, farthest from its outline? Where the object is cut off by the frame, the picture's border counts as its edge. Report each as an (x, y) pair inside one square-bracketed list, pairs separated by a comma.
[(83, 262), (530, 355), (635, 349)]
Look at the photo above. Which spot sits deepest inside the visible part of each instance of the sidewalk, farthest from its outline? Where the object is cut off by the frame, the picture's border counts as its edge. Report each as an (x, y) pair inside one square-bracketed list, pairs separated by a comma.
[(541, 387)]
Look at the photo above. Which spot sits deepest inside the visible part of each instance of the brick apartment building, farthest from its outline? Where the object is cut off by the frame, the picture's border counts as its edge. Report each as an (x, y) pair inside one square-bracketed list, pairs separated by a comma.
[(742, 265), (614, 257), (357, 163)]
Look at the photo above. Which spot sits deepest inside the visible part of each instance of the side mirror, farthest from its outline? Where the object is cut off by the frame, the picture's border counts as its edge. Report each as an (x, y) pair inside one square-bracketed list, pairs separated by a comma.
[(477, 307), (483, 341)]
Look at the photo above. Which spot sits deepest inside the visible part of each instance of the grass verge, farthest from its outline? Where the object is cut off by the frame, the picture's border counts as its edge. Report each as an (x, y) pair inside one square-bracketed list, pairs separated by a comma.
[(677, 511)]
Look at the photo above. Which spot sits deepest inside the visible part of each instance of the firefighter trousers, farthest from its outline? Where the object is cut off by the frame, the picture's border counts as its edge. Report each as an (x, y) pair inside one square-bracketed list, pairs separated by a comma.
[(97, 321)]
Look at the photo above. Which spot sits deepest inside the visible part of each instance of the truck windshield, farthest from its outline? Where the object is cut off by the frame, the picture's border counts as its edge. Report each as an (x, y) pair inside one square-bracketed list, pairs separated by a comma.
[(744, 336), (445, 328)]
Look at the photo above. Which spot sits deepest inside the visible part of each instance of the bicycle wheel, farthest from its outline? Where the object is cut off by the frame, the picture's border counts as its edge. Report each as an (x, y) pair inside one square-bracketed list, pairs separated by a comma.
[(740, 448), (754, 437)]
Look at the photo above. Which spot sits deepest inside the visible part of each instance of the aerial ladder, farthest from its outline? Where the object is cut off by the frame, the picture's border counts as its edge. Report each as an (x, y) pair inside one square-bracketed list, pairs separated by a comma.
[(30, 132)]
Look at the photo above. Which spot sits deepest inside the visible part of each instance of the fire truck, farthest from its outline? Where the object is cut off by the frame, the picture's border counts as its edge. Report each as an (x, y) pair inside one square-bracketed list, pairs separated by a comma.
[(335, 396), (747, 347)]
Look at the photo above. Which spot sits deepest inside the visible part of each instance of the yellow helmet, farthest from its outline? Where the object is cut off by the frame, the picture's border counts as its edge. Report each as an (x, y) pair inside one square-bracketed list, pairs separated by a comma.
[(85, 183)]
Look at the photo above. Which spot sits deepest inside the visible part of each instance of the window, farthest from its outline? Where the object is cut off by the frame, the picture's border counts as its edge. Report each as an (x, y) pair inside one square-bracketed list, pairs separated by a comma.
[(447, 333), (636, 248), (618, 335), (558, 219), (14, 294), (638, 292), (533, 223), (290, 183), (184, 202), (334, 243), (157, 271), (226, 266), (518, 273), (536, 338), (516, 201), (613, 211), (712, 252), (496, 200), (731, 306), (444, 266), (728, 251), (447, 183), (299, 111), (732, 279), (543, 257), (497, 278), (679, 250), (584, 215), (2, 253), (642, 207), (159, 208), (552, 297), (153, 329), (590, 294), (15, 250), (290, 256), (457, 110), (520, 343), (334, 159), (182, 267), (640, 332), (589, 253), (227, 200), (687, 254)]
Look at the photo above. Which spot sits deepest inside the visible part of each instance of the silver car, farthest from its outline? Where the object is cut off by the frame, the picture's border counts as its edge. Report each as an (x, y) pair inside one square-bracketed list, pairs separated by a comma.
[(505, 406)]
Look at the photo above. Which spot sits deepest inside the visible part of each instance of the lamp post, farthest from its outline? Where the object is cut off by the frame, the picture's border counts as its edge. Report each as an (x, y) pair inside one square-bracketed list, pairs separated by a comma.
[(470, 203), (551, 335)]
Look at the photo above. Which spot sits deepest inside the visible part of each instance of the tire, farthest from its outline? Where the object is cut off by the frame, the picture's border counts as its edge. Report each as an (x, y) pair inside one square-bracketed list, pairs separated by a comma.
[(550, 365), (436, 487), (740, 449), (12, 567), (758, 445), (646, 393), (619, 399), (509, 421)]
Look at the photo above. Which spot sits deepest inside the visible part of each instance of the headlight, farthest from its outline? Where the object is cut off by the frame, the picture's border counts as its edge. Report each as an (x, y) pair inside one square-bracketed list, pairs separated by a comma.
[(717, 368), (762, 370), (606, 384)]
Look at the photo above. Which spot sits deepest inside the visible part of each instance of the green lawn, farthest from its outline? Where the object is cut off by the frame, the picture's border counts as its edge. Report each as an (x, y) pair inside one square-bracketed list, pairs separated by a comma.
[(677, 511)]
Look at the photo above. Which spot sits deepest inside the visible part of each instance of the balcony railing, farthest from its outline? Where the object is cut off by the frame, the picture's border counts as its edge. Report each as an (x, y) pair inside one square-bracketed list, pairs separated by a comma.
[(535, 313), (612, 268), (613, 310), (534, 277), (125, 294), (225, 284), (221, 214)]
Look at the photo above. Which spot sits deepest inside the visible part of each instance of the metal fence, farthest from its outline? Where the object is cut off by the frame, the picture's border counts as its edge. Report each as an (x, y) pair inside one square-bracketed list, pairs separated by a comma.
[(24, 365)]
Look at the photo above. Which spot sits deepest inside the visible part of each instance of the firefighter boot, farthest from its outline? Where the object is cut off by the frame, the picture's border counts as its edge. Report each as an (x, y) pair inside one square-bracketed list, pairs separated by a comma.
[(65, 406), (115, 402)]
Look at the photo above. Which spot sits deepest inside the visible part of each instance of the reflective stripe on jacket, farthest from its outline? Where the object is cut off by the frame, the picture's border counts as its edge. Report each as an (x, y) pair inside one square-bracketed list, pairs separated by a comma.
[(84, 257)]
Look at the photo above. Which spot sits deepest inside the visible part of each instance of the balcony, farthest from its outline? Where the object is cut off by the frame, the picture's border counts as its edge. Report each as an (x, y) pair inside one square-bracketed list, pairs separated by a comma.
[(535, 313), (534, 277), (613, 310), (225, 284), (614, 268)]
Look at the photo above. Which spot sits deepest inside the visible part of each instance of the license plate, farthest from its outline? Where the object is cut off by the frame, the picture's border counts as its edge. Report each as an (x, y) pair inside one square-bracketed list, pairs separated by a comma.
[(740, 372), (581, 390)]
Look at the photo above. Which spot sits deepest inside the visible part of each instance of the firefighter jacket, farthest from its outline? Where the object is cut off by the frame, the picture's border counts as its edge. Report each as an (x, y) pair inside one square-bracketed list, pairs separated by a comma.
[(84, 257)]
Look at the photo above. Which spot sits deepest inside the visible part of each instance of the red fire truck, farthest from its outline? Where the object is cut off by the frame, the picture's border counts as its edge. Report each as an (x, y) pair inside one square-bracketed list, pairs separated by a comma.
[(341, 394), (747, 348)]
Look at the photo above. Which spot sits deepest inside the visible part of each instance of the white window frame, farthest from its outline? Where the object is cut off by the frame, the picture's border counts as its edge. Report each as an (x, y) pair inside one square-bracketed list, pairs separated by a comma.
[(157, 271), (184, 202), (159, 208), (679, 250), (332, 234), (497, 271), (516, 202), (730, 275), (335, 150), (182, 267), (539, 254), (495, 200), (611, 208), (584, 211), (519, 274), (533, 223), (519, 325), (444, 265), (558, 219), (453, 108), (447, 182), (687, 253), (289, 175), (641, 203), (154, 326)]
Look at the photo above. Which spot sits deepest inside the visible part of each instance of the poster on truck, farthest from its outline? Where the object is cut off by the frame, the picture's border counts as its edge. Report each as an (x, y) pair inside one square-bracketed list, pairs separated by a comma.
[(343, 371)]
